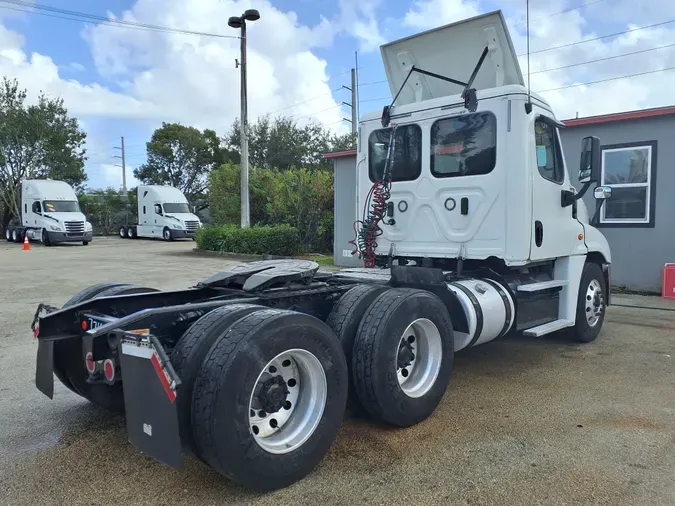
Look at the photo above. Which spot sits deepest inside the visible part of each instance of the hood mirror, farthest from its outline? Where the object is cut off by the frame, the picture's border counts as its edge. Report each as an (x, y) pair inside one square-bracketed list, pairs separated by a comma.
[(602, 192)]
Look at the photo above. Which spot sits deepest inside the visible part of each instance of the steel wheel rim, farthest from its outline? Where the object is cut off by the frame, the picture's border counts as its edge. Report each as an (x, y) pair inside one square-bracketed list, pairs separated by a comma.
[(130, 233), (594, 303), (122, 232), (303, 378), (15, 236), (419, 357), (167, 234)]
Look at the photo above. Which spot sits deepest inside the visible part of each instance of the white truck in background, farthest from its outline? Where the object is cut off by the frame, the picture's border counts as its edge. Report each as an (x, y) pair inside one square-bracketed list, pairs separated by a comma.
[(50, 213), (163, 211)]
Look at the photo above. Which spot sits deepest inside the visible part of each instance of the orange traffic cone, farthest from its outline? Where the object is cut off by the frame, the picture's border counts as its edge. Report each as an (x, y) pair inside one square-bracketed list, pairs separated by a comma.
[(26, 244)]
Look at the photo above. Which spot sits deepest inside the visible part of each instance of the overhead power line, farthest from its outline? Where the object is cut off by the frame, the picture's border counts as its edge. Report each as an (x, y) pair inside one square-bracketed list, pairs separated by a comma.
[(615, 34), (305, 101), (604, 59), (564, 11), (607, 80), (85, 17)]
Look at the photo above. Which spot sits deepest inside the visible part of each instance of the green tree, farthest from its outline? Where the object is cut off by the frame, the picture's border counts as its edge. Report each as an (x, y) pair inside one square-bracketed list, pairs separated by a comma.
[(280, 143), (36, 141), (182, 157)]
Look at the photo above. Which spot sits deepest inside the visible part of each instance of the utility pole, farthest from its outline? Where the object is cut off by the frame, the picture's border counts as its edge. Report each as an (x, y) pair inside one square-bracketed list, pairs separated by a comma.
[(124, 168), (240, 22), (354, 102)]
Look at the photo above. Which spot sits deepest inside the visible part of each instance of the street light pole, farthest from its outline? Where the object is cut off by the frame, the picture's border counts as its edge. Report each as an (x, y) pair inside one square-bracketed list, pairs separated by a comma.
[(240, 22), (243, 128)]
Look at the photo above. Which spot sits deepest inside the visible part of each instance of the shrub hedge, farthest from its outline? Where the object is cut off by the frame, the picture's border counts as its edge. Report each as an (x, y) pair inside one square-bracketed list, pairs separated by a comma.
[(282, 240)]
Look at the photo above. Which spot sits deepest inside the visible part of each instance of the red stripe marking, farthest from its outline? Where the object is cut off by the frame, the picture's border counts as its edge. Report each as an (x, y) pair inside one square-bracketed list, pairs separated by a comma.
[(162, 377)]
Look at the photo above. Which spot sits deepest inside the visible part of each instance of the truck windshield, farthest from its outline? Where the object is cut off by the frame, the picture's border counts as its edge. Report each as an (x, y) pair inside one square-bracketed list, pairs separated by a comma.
[(173, 207), (61, 206)]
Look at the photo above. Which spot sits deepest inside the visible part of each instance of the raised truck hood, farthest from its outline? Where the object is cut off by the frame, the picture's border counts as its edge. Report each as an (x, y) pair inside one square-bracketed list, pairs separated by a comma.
[(452, 51)]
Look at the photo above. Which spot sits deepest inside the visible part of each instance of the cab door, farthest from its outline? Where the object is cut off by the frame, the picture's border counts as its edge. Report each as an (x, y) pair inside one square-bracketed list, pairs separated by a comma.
[(555, 230)]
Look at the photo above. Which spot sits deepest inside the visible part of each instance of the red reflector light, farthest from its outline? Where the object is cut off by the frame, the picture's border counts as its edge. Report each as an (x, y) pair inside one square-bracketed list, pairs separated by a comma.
[(84, 325), (91, 365), (109, 369)]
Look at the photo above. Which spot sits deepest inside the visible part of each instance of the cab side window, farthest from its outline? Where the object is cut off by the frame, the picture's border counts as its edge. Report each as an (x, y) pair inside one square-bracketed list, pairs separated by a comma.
[(158, 209), (36, 207), (548, 152)]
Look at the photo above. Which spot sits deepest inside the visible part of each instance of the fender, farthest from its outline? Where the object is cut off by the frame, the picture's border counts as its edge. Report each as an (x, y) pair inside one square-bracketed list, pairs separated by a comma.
[(432, 280)]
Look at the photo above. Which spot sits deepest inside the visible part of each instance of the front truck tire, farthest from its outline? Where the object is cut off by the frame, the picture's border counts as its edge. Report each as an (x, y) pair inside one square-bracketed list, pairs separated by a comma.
[(344, 320), (188, 355), (403, 356), (270, 398), (591, 304), (69, 365)]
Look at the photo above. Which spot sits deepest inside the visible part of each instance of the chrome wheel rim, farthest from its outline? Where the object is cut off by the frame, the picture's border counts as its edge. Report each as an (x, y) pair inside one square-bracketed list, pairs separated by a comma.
[(130, 233), (8, 234), (419, 357), (15, 236), (595, 303), (167, 235), (122, 234), (287, 402)]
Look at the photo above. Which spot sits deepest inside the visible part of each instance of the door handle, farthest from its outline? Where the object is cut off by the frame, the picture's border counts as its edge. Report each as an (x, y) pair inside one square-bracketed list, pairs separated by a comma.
[(464, 206)]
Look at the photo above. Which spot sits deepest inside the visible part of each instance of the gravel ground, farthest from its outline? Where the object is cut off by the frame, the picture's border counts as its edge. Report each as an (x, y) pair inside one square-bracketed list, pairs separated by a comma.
[(524, 421)]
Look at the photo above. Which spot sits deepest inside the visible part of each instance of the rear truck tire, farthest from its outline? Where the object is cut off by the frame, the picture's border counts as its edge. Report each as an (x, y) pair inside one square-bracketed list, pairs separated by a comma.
[(344, 320), (403, 356), (123, 232), (16, 235), (590, 304), (270, 398), (71, 362), (85, 243), (8, 234), (188, 355), (167, 235), (133, 234)]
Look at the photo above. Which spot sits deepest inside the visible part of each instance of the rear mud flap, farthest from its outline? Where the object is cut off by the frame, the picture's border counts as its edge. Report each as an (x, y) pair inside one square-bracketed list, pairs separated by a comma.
[(150, 399), (44, 370)]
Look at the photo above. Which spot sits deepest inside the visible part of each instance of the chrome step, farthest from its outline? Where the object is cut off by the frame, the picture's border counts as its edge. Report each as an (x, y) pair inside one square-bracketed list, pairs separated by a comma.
[(542, 285), (548, 328)]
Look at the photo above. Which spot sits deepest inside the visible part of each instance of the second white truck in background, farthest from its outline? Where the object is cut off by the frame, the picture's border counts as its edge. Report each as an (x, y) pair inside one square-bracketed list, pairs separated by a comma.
[(163, 212)]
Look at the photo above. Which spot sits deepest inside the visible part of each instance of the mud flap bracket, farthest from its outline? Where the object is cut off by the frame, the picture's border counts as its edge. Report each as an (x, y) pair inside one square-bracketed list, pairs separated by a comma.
[(150, 386)]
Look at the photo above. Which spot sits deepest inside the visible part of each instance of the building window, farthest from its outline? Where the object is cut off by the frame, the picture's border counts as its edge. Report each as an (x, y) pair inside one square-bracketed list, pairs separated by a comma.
[(464, 145), (630, 170), (548, 152), (407, 155)]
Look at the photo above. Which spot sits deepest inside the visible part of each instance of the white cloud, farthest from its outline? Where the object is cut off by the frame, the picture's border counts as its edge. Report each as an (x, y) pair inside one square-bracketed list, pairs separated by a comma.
[(359, 18), (548, 28), (426, 14)]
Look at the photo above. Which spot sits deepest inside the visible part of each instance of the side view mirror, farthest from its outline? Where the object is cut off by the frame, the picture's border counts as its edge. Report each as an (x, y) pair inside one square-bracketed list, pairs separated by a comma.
[(589, 169), (602, 192)]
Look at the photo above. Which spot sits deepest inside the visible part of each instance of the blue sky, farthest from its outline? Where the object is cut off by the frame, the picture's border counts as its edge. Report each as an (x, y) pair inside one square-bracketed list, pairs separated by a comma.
[(119, 81)]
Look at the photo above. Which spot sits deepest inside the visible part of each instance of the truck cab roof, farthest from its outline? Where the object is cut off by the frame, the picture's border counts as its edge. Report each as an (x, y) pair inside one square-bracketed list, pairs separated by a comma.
[(47, 189), (161, 193), (452, 51)]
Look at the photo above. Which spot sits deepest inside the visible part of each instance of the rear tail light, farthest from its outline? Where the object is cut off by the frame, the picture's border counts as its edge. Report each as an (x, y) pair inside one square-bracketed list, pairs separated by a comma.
[(91, 365), (109, 370)]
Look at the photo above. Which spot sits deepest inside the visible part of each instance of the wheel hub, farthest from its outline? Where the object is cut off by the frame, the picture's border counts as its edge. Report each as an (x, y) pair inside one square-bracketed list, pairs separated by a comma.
[(273, 394), (595, 302), (405, 354)]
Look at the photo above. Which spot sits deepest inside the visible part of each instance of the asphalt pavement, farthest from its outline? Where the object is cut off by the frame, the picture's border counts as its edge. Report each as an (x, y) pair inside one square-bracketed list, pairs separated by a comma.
[(524, 421)]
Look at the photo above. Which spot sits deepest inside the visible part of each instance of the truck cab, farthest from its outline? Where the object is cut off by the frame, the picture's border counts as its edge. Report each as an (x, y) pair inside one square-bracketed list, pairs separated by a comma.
[(164, 212), (466, 168), (50, 213)]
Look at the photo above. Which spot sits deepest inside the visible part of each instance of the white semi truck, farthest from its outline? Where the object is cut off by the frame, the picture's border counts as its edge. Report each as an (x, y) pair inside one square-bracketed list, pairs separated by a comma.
[(50, 213), (471, 230), (163, 212)]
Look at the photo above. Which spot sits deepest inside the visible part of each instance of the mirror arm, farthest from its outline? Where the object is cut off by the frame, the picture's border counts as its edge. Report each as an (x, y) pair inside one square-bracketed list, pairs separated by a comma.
[(568, 197), (598, 206)]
